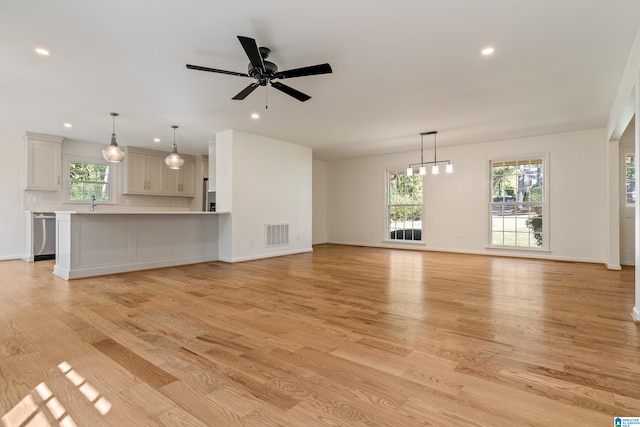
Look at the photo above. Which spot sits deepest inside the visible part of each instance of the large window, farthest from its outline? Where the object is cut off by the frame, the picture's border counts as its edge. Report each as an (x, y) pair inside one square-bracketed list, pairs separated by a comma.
[(404, 206), (517, 204), (89, 178), (630, 179)]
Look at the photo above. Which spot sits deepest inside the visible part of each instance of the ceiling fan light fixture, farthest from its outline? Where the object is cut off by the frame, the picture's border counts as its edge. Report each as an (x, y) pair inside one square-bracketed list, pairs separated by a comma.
[(265, 72), (173, 160), (113, 153)]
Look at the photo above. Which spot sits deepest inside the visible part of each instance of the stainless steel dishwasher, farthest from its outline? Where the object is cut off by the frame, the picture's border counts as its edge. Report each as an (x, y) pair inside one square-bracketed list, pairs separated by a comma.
[(44, 236)]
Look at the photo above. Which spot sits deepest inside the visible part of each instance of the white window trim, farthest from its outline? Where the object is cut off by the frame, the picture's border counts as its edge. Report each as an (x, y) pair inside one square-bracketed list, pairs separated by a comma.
[(385, 213), (113, 177), (545, 207)]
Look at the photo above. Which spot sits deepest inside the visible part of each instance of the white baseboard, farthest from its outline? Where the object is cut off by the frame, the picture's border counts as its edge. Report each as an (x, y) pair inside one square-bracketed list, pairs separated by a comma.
[(635, 313), (514, 254), (12, 257), (614, 266), (77, 273), (269, 255)]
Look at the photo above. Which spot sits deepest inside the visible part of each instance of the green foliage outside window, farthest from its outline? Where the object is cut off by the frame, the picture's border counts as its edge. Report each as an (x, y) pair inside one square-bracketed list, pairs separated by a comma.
[(630, 179), (405, 206), (87, 180), (517, 199)]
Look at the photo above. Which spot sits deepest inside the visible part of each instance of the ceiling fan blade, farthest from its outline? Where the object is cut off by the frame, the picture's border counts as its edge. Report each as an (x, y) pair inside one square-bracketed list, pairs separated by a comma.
[(213, 70), (246, 91), (251, 49), (291, 91), (304, 71)]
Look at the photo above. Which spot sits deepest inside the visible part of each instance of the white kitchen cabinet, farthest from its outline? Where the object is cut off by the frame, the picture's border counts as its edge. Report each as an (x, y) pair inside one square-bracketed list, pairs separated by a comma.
[(44, 161), (144, 172), (211, 164), (181, 182)]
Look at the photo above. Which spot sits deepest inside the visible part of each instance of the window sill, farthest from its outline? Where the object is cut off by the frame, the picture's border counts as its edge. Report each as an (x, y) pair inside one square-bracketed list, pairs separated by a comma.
[(407, 242), (518, 249)]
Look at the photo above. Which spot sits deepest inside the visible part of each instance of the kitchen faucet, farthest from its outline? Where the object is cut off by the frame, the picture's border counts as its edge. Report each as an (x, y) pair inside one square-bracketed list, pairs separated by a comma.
[(93, 203)]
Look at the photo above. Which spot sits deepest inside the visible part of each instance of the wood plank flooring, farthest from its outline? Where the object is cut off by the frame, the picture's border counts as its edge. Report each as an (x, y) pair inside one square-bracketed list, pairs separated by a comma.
[(343, 336)]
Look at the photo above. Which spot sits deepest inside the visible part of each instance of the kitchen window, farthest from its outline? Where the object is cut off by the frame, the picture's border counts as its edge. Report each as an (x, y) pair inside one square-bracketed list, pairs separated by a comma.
[(518, 207), (630, 179), (404, 206), (88, 178)]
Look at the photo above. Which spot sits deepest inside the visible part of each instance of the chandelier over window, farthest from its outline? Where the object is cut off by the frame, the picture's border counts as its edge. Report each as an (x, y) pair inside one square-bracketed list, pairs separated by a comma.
[(435, 169)]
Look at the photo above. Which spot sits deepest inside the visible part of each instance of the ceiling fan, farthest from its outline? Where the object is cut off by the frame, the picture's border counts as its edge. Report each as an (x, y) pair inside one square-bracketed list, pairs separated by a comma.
[(265, 72)]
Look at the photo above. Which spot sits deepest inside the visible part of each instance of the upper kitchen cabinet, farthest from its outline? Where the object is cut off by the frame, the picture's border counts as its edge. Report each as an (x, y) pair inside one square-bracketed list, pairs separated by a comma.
[(143, 172), (146, 173), (181, 182), (44, 161)]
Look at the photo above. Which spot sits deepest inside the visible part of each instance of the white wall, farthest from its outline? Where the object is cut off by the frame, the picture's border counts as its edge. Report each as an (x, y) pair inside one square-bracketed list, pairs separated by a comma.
[(319, 202), (12, 217), (456, 206), (269, 182)]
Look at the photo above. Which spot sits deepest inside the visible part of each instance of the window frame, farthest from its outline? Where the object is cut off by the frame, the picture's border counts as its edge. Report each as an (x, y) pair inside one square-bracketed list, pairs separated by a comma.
[(545, 202), (626, 167), (387, 205), (113, 178)]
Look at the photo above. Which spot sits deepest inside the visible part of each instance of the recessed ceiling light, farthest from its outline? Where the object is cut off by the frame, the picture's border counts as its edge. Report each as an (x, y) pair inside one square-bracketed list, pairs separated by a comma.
[(488, 51), (68, 125), (41, 51), (255, 116), (156, 139)]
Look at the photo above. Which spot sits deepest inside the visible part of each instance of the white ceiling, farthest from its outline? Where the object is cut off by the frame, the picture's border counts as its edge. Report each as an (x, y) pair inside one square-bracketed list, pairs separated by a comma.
[(399, 68)]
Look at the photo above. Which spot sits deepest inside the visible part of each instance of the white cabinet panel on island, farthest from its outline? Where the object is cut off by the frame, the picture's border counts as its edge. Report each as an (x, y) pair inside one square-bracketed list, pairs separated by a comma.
[(94, 243)]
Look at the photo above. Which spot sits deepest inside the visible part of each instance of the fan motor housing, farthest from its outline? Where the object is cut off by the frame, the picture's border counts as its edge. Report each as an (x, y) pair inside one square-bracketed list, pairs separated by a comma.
[(270, 70)]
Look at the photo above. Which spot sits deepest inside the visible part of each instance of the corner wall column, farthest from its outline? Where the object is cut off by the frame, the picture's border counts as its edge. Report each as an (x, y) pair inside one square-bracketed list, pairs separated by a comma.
[(613, 168), (636, 309)]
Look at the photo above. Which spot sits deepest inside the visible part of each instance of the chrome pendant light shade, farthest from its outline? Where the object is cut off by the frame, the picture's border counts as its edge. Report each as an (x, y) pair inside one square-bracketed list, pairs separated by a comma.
[(113, 153), (173, 160)]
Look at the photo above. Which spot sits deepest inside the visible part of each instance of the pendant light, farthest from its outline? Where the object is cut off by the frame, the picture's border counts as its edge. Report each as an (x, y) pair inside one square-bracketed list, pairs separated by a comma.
[(113, 153), (435, 169), (173, 160)]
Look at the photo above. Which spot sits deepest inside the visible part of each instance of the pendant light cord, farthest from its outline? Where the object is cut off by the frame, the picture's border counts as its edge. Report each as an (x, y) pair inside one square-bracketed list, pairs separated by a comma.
[(435, 149)]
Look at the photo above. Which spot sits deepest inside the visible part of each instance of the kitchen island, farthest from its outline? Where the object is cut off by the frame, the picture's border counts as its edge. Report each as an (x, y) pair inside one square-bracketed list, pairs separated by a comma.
[(97, 243)]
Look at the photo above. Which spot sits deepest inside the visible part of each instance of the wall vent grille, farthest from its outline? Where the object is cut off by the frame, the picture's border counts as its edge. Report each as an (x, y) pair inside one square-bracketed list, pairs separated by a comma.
[(276, 235)]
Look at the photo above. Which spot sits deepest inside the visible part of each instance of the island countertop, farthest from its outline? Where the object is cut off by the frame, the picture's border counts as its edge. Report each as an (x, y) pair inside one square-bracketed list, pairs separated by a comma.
[(140, 213)]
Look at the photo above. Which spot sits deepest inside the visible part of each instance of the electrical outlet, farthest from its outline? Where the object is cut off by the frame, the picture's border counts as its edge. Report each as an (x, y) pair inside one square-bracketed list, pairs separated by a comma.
[(251, 243), (458, 238)]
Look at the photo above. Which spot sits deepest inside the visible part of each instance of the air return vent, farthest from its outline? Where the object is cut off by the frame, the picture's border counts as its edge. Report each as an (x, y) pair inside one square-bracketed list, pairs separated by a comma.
[(276, 235)]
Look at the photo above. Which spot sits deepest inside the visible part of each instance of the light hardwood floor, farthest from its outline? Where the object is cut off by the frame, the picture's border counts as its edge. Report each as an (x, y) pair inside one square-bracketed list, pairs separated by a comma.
[(343, 336)]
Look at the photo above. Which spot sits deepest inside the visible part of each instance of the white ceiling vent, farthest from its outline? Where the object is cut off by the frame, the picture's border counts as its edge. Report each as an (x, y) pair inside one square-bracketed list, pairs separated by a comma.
[(276, 235)]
